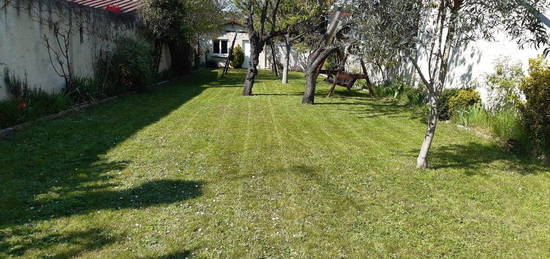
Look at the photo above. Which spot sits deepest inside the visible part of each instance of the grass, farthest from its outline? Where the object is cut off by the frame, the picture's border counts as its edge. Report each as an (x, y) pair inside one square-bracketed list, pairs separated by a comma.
[(194, 169)]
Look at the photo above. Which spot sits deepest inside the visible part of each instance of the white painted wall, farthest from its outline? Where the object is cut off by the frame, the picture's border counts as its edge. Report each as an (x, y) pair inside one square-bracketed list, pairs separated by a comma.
[(471, 65), (23, 52)]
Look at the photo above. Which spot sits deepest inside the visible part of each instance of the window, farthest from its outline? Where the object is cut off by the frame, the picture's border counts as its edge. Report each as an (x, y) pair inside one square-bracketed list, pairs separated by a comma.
[(220, 46), (216, 46), (224, 46)]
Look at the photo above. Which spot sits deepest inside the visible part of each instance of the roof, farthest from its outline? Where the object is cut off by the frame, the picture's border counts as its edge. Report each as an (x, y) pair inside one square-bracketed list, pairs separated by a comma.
[(125, 6)]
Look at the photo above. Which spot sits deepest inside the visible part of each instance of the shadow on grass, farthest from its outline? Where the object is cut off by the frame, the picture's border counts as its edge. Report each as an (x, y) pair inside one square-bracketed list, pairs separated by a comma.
[(174, 255), (56, 169), (473, 157), (74, 241), (372, 108)]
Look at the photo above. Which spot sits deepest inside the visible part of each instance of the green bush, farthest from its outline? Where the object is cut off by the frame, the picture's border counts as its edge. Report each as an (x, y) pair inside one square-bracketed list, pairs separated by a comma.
[(536, 109), (415, 96), (237, 59), (130, 66), (393, 89), (35, 104), (504, 85), (463, 99), (507, 125), (443, 103), (9, 113), (27, 104), (331, 63), (87, 90)]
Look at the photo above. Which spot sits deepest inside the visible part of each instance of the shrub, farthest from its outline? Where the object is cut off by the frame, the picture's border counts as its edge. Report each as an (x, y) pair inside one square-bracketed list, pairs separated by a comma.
[(331, 63), (393, 89), (130, 66), (504, 85), (415, 96), (10, 114), (536, 109), (443, 103), (17, 88), (463, 99), (87, 90), (28, 103), (507, 125), (237, 59)]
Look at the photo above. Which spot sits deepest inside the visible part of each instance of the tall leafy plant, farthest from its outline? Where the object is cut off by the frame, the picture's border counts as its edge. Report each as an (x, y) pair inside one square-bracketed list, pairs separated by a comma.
[(536, 110)]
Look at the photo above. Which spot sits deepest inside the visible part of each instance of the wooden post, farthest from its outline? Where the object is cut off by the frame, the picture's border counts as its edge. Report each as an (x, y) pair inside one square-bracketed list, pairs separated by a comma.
[(226, 68), (340, 69)]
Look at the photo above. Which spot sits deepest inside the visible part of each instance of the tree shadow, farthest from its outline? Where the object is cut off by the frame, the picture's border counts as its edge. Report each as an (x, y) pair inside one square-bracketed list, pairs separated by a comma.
[(372, 108), (149, 194), (175, 255), (57, 168), (77, 241), (473, 157)]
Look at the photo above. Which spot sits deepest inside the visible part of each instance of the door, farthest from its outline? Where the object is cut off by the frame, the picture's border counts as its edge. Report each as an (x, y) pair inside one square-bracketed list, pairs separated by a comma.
[(246, 49)]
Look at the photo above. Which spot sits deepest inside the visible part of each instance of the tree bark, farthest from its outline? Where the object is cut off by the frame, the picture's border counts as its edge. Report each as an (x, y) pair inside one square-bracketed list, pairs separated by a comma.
[(286, 65), (422, 159), (257, 47), (274, 65), (315, 62), (311, 84), (437, 87)]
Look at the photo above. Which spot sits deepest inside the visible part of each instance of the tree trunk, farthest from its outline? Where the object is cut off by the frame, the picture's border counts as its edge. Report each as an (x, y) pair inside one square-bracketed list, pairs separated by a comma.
[(274, 65), (315, 62), (257, 48), (286, 65), (436, 89), (422, 160), (311, 84)]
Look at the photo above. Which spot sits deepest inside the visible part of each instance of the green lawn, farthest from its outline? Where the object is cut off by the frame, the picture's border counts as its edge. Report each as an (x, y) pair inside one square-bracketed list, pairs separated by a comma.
[(194, 169)]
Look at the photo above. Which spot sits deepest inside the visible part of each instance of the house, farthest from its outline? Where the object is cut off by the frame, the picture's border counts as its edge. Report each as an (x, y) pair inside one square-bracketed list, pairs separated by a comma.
[(85, 28), (217, 48)]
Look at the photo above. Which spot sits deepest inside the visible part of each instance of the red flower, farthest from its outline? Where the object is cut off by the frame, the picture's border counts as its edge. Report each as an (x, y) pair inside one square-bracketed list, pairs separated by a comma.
[(21, 106), (113, 8)]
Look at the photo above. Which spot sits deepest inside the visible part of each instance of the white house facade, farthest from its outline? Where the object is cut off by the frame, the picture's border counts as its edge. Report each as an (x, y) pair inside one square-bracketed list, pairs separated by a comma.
[(217, 48)]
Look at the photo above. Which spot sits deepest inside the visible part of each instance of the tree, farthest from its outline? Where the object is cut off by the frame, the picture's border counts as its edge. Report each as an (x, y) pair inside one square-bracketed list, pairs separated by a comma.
[(268, 19), (322, 49), (302, 19), (177, 23), (259, 14), (443, 26)]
